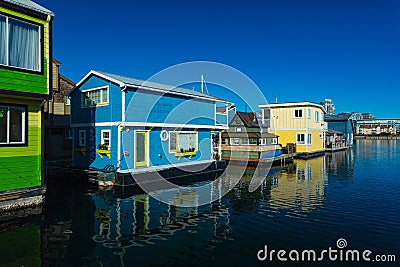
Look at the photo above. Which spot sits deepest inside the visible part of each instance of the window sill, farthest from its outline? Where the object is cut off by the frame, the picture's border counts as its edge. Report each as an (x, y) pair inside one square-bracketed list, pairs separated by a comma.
[(103, 152), (179, 155), (97, 105), (81, 150)]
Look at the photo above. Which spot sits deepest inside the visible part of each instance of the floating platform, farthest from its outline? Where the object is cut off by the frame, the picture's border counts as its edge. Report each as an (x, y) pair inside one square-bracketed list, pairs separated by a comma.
[(281, 160), (13, 201), (310, 155)]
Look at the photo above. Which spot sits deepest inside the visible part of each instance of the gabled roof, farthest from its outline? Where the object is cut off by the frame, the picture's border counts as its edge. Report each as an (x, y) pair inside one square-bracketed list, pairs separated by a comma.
[(124, 81), (28, 4), (249, 119)]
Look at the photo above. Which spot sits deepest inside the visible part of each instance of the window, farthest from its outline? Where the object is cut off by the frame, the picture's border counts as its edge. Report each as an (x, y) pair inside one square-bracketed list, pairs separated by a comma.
[(253, 141), (316, 116), (274, 141), (95, 96), (235, 141), (298, 113), (105, 137), (309, 138), (12, 124), (322, 116), (183, 141), (300, 140), (308, 113), (238, 129), (82, 138), (262, 141), (304, 138), (67, 101), (68, 134), (19, 44)]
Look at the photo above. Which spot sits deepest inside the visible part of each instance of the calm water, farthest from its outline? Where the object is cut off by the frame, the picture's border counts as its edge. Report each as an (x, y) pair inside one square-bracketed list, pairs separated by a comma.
[(310, 205)]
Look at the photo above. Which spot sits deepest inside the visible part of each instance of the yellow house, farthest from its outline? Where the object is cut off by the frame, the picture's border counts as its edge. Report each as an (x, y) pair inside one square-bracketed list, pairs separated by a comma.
[(300, 123)]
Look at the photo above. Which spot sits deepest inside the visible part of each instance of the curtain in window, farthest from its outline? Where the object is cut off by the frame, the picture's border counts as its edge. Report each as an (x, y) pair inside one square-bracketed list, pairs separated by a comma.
[(23, 45), (3, 57), (183, 142)]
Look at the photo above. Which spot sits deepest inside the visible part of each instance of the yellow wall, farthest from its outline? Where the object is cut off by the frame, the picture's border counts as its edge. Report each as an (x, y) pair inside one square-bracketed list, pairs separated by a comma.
[(286, 126)]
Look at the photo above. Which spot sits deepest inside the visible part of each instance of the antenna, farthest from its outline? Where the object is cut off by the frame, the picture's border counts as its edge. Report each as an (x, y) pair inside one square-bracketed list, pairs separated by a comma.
[(202, 83), (276, 99)]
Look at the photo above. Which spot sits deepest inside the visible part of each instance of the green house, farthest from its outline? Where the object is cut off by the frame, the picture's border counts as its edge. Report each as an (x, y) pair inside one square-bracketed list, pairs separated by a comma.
[(25, 82)]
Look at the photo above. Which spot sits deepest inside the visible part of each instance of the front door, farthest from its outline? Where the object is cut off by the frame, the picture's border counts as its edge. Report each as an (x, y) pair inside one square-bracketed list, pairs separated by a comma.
[(141, 148)]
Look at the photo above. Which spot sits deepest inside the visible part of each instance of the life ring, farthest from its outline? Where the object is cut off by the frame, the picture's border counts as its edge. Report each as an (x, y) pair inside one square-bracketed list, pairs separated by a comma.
[(164, 135)]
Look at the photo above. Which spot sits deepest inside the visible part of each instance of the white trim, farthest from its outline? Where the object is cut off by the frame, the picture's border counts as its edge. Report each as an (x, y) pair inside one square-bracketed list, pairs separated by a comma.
[(40, 43), (143, 87), (123, 105), (109, 137), (302, 113), (298, 129), (305, 141), (151, 124), (79, 138), (163, 167), (294, 104), (95, 88), (93, 72), (215, 113)]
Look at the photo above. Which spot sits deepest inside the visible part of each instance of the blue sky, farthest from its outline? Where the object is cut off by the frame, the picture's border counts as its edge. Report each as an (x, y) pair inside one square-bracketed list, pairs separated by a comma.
[(345, 50)]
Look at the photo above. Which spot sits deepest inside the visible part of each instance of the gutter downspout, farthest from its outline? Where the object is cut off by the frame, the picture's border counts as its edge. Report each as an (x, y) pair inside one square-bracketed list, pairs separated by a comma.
[(122, 124)]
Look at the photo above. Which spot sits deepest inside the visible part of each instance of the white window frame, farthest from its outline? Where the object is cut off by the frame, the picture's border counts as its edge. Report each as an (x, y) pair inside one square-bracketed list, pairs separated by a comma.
[(102, 101), (80, 138), (23, 126), (316, 116), (302, 113), (68, 134), (103, 139), (274, 141), (235, 141), (177, 140), (238, 129), (308, 113), (262, 141), (309, 139), (39, 59), (67, 101), (304, 138)]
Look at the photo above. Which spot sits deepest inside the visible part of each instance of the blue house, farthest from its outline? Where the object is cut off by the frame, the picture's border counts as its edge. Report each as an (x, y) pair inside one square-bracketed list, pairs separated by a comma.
[(343, 122), (135, 124)]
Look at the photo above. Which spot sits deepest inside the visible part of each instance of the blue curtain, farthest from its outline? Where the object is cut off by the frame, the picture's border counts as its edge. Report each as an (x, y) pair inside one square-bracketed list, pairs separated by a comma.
[(3, 53), (23, 45)]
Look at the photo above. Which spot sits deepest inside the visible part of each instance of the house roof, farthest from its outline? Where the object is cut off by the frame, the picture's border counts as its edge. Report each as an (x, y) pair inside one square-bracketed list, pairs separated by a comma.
[(123, 81), (332, 132), (292, 104), (338, 117), (31, 6), (249, 119)]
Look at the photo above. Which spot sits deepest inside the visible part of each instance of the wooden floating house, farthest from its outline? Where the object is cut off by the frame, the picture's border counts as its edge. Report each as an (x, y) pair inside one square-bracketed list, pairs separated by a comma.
[(246, 141), (299, 123), (25, 82), (135, 127), (335, 141)]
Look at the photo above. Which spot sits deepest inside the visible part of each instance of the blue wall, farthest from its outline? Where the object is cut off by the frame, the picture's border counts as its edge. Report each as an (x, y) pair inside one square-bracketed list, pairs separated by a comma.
[(106, 113), (344, 127), (157, 108)]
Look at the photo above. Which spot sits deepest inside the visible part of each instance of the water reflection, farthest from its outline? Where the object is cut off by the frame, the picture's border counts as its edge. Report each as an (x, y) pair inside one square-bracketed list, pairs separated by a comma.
[(85, 226)]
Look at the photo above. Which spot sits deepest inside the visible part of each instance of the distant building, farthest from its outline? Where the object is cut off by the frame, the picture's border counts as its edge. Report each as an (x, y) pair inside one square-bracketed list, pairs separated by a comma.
[(58, 134), (300, 123), (328, 106), (377, 126), (343, 122)]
